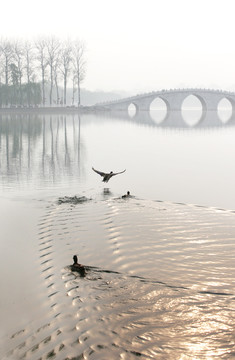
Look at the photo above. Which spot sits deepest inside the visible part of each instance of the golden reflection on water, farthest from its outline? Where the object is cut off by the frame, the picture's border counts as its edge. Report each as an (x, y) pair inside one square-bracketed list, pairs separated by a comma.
[(153, 291)]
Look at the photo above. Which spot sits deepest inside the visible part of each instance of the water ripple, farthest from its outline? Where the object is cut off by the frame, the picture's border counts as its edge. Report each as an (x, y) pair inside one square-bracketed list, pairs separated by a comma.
[(159, 284)]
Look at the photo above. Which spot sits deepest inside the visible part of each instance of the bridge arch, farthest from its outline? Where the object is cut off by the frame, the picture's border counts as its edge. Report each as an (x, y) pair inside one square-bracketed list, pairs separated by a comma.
[(132, 109), (232, 101), (160, 101), (194, 97), (192, 110), (226, 109), (159, 109)]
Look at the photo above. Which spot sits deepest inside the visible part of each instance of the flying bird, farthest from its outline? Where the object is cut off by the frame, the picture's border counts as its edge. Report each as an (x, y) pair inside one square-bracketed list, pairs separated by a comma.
[(107, 176)]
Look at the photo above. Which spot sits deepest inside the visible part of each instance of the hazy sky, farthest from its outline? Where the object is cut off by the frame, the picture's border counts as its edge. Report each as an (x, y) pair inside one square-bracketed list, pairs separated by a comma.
[(137, 45)]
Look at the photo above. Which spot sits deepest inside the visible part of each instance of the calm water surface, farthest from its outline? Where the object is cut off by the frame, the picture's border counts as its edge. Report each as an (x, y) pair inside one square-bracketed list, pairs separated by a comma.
[(160, 265), (175, 162)]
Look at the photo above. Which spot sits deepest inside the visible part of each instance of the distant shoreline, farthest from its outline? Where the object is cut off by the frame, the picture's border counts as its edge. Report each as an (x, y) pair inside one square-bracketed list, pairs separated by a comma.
[(54, 109)]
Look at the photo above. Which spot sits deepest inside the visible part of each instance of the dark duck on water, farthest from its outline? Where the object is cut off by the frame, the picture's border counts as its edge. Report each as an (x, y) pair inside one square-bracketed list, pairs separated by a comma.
[(107, 176), (127, 195), (78, 267)]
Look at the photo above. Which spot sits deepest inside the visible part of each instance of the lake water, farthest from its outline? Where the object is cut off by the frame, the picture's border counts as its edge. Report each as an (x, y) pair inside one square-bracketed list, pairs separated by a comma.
[(160, 264)]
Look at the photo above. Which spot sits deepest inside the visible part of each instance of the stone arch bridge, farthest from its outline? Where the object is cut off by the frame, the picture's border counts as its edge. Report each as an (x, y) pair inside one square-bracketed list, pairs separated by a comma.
[(173, 99)]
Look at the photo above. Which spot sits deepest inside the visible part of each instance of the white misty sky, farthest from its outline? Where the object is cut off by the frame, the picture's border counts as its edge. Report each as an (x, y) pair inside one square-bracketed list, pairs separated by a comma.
[(137, 45)]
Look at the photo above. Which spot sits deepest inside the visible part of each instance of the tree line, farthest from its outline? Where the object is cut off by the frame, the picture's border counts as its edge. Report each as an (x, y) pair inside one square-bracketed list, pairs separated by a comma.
[(31, 72)]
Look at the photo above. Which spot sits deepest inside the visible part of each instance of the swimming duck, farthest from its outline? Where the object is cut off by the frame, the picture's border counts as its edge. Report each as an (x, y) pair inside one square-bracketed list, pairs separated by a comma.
[(126, 195), (77, 267), (107, 176)]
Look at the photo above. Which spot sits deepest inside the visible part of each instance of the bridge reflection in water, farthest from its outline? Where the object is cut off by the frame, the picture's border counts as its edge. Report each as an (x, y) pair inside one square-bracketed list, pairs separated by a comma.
[(174, 119)]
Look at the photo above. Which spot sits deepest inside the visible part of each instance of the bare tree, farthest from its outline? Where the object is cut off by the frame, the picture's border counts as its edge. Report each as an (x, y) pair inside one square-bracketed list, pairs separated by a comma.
[(66, 59), (29, 60), (7, 55), (53, 46), (1, 68), (74, 81), (41, 48), (79, 65), (29, 66), (1, 75), (56, 78), (18, 58)]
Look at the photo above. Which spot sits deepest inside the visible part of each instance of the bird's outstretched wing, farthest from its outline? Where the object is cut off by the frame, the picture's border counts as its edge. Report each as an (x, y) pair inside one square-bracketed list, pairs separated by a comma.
[(99, 172), (119, 172)]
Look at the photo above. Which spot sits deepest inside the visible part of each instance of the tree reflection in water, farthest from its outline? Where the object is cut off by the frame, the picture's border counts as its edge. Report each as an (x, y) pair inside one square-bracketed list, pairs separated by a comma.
[(39, 146)]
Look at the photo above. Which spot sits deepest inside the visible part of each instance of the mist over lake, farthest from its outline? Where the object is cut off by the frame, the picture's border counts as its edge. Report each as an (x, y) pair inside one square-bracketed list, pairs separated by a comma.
[(117, 205)]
